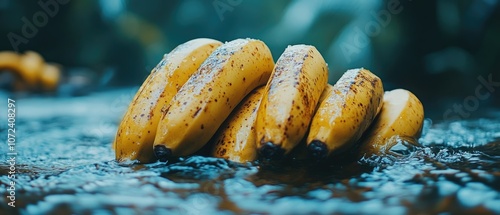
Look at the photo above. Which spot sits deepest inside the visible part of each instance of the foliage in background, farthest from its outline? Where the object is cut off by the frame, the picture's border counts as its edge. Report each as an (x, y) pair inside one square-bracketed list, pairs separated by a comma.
[(438, 49)]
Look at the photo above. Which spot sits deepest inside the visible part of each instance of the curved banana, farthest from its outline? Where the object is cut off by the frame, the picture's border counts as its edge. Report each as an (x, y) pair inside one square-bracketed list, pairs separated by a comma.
[(289, 101), (31, 70), (402, 116), (209, 96), (344, 113), (235, 139), (136, 132)]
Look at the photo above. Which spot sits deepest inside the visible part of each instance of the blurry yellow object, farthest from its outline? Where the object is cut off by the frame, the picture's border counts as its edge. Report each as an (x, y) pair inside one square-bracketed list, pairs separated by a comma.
[(9, 60), (30, 67), (50, 76), (31, 71)]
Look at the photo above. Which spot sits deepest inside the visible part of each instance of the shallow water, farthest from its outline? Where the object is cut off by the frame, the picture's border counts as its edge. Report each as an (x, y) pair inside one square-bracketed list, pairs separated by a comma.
[(65, 166)]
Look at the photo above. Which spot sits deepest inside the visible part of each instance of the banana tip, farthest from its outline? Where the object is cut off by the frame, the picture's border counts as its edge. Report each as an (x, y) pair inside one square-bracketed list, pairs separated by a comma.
[(317, 150), (270, 151), (162, 153)]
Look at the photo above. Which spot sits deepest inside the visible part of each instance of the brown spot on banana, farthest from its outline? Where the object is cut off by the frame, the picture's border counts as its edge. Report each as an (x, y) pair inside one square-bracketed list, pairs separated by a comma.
[(137, 134), (236, 137), (345, 111), (290, 92), (226, 84)]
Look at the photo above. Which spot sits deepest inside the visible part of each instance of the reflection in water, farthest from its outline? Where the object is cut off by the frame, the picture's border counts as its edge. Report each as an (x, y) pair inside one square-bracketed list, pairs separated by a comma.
[(67, 166)]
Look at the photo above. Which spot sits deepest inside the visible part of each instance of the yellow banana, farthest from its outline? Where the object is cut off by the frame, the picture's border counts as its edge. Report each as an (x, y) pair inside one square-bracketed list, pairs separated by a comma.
[(346, 110), (136, 132), (31, 70), (209, 96), (235, 139), (401, 117), (289, 101)]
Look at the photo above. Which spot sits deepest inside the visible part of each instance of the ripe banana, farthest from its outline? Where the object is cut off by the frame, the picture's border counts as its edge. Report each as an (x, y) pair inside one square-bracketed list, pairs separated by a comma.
[(346, 110), (289, 101), (235, 139), (401, 117), (31, 70), (136, 132), (209, 96)]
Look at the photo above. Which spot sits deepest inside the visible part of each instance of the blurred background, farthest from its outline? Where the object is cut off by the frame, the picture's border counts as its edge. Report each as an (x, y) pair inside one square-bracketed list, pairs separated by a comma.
[(446, 51)]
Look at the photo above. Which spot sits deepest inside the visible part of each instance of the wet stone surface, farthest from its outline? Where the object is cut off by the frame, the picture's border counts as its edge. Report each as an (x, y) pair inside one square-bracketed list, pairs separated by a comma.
[(66, 165)]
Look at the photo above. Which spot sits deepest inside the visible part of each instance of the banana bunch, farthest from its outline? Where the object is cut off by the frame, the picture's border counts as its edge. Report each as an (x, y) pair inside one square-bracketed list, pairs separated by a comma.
[(31, 71), (233, 99)]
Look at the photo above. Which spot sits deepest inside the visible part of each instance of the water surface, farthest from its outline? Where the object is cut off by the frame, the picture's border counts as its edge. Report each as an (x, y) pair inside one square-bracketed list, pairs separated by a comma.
[(66, 165)]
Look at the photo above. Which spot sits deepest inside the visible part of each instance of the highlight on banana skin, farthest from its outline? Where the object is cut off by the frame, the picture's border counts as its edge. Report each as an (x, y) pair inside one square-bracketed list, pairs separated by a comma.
[(236, 100)]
